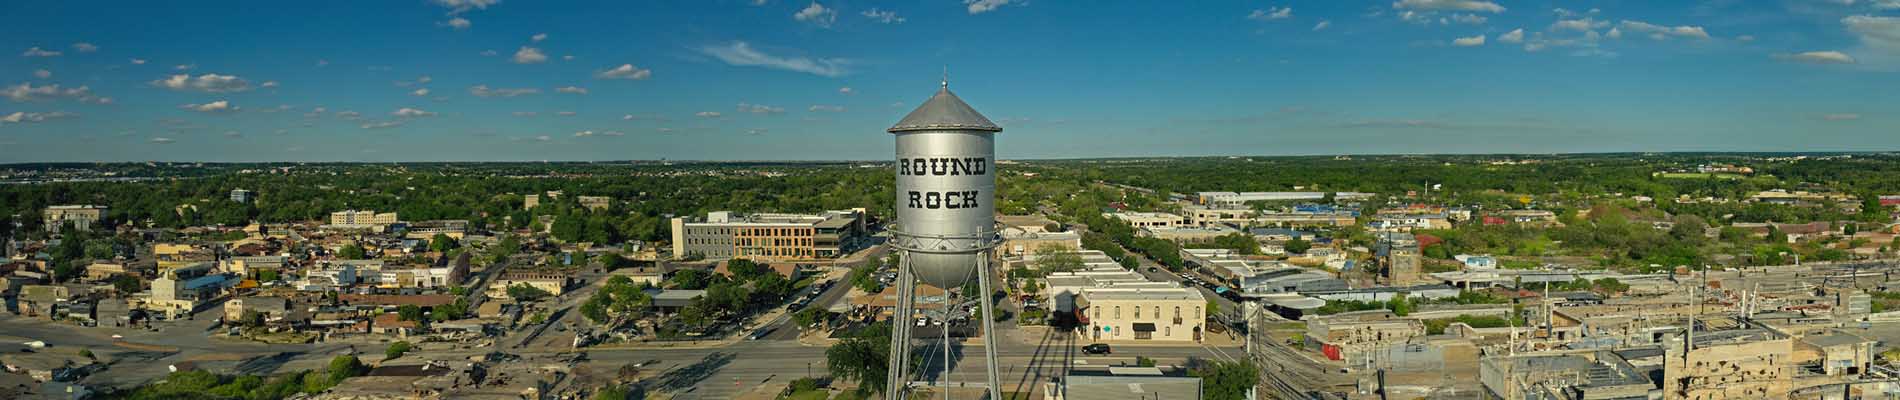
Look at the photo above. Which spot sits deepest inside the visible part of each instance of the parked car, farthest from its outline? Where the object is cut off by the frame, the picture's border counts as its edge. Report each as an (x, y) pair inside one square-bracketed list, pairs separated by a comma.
[(1098, 348)]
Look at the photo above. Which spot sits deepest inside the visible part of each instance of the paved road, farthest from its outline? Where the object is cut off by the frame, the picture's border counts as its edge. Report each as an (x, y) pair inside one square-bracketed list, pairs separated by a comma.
[(726, 372)]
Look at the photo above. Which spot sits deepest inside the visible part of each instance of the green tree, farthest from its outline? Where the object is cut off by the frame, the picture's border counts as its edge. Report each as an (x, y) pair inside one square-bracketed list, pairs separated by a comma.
[(345, 367), (1058, 259), (1297, 246), (395, 350), (351, 252), (409, 312), (1227, 380), (525, 292), (863, 357), (614, 392), (441, 243)]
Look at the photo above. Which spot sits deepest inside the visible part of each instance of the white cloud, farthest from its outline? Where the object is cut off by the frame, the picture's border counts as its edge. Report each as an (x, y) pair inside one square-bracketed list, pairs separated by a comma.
[(1887, 5), (759, 109), (1615, 33), (983, 6), (755, 131), (583, 133), (845, 91), (42, 74), (565, 113), (742, 54), (424, 79), (524, 113), (1473, 19), (420, 92), (1877, 32), (186, 67), (538, 37), (485, 91), (1449, 5), (891, 17), (490, 53), (624, 71), (1271, 13), (1322, 25), (1468, 41), (825, 108), (458, 23), (529, 55), (347, 115), (382, 125), (571, 90), (542, 138), (1659, 32), (1818, 57), (460, 6), (219, 106), (208, 83), (162, 140), (1579, 25), (707, 114), (25, 117), (663, 130), (138, 61), (1745, 38), (27, 92), (84, 47), (37, 52), (268, 84), (407, 112), (817, 14), (1514, 36), (1841, 117), (613, 133)]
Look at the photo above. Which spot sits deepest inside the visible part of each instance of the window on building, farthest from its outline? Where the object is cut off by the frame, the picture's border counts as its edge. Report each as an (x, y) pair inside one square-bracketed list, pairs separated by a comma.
[(1118, 312), (1137, 311), (1177, 312)]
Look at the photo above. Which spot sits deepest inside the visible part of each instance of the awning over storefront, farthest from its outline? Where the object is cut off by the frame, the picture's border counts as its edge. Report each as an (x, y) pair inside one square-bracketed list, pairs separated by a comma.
[(1144, 327)]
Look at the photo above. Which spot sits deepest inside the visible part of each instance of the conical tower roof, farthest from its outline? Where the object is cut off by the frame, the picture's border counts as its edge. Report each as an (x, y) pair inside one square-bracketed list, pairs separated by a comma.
[(944, 111)]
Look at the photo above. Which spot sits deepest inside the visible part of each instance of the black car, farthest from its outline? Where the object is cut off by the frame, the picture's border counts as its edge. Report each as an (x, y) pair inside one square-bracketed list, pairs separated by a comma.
[(1098, 348)]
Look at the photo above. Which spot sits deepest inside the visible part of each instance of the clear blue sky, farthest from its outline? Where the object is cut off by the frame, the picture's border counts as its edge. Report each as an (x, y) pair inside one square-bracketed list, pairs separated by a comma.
[(742, 79)]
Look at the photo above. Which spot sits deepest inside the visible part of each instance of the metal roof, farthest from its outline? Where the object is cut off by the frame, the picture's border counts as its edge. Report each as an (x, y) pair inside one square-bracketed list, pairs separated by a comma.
[(944, 111)]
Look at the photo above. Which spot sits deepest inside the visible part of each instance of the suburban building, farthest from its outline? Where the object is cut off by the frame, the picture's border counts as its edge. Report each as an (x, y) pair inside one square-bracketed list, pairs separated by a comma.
[(769, 236), (1348, 338), (1531, 217), (1019, 241), (1240, 200), (1143, 314), (1148, 219), (554, 283), (1241, 217), (270, 307), (242, 196), (182, 290), (354, 218), (81, 217), (596, 202), (1399, 259), (1729, 359), (1564, 375), (1119, 386), (174, 255), (1187, 234)]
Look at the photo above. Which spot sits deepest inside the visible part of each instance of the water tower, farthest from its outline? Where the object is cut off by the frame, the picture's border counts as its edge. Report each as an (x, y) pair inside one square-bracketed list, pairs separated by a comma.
[(946, 220)]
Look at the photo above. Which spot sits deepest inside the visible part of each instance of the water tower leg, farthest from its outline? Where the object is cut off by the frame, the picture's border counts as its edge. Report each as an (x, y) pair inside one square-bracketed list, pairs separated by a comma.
[(898, 381), (989, 328)]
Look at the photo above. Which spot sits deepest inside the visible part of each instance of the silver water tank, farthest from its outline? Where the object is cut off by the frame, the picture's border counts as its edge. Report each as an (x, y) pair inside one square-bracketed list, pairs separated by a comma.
[(946, 189)]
